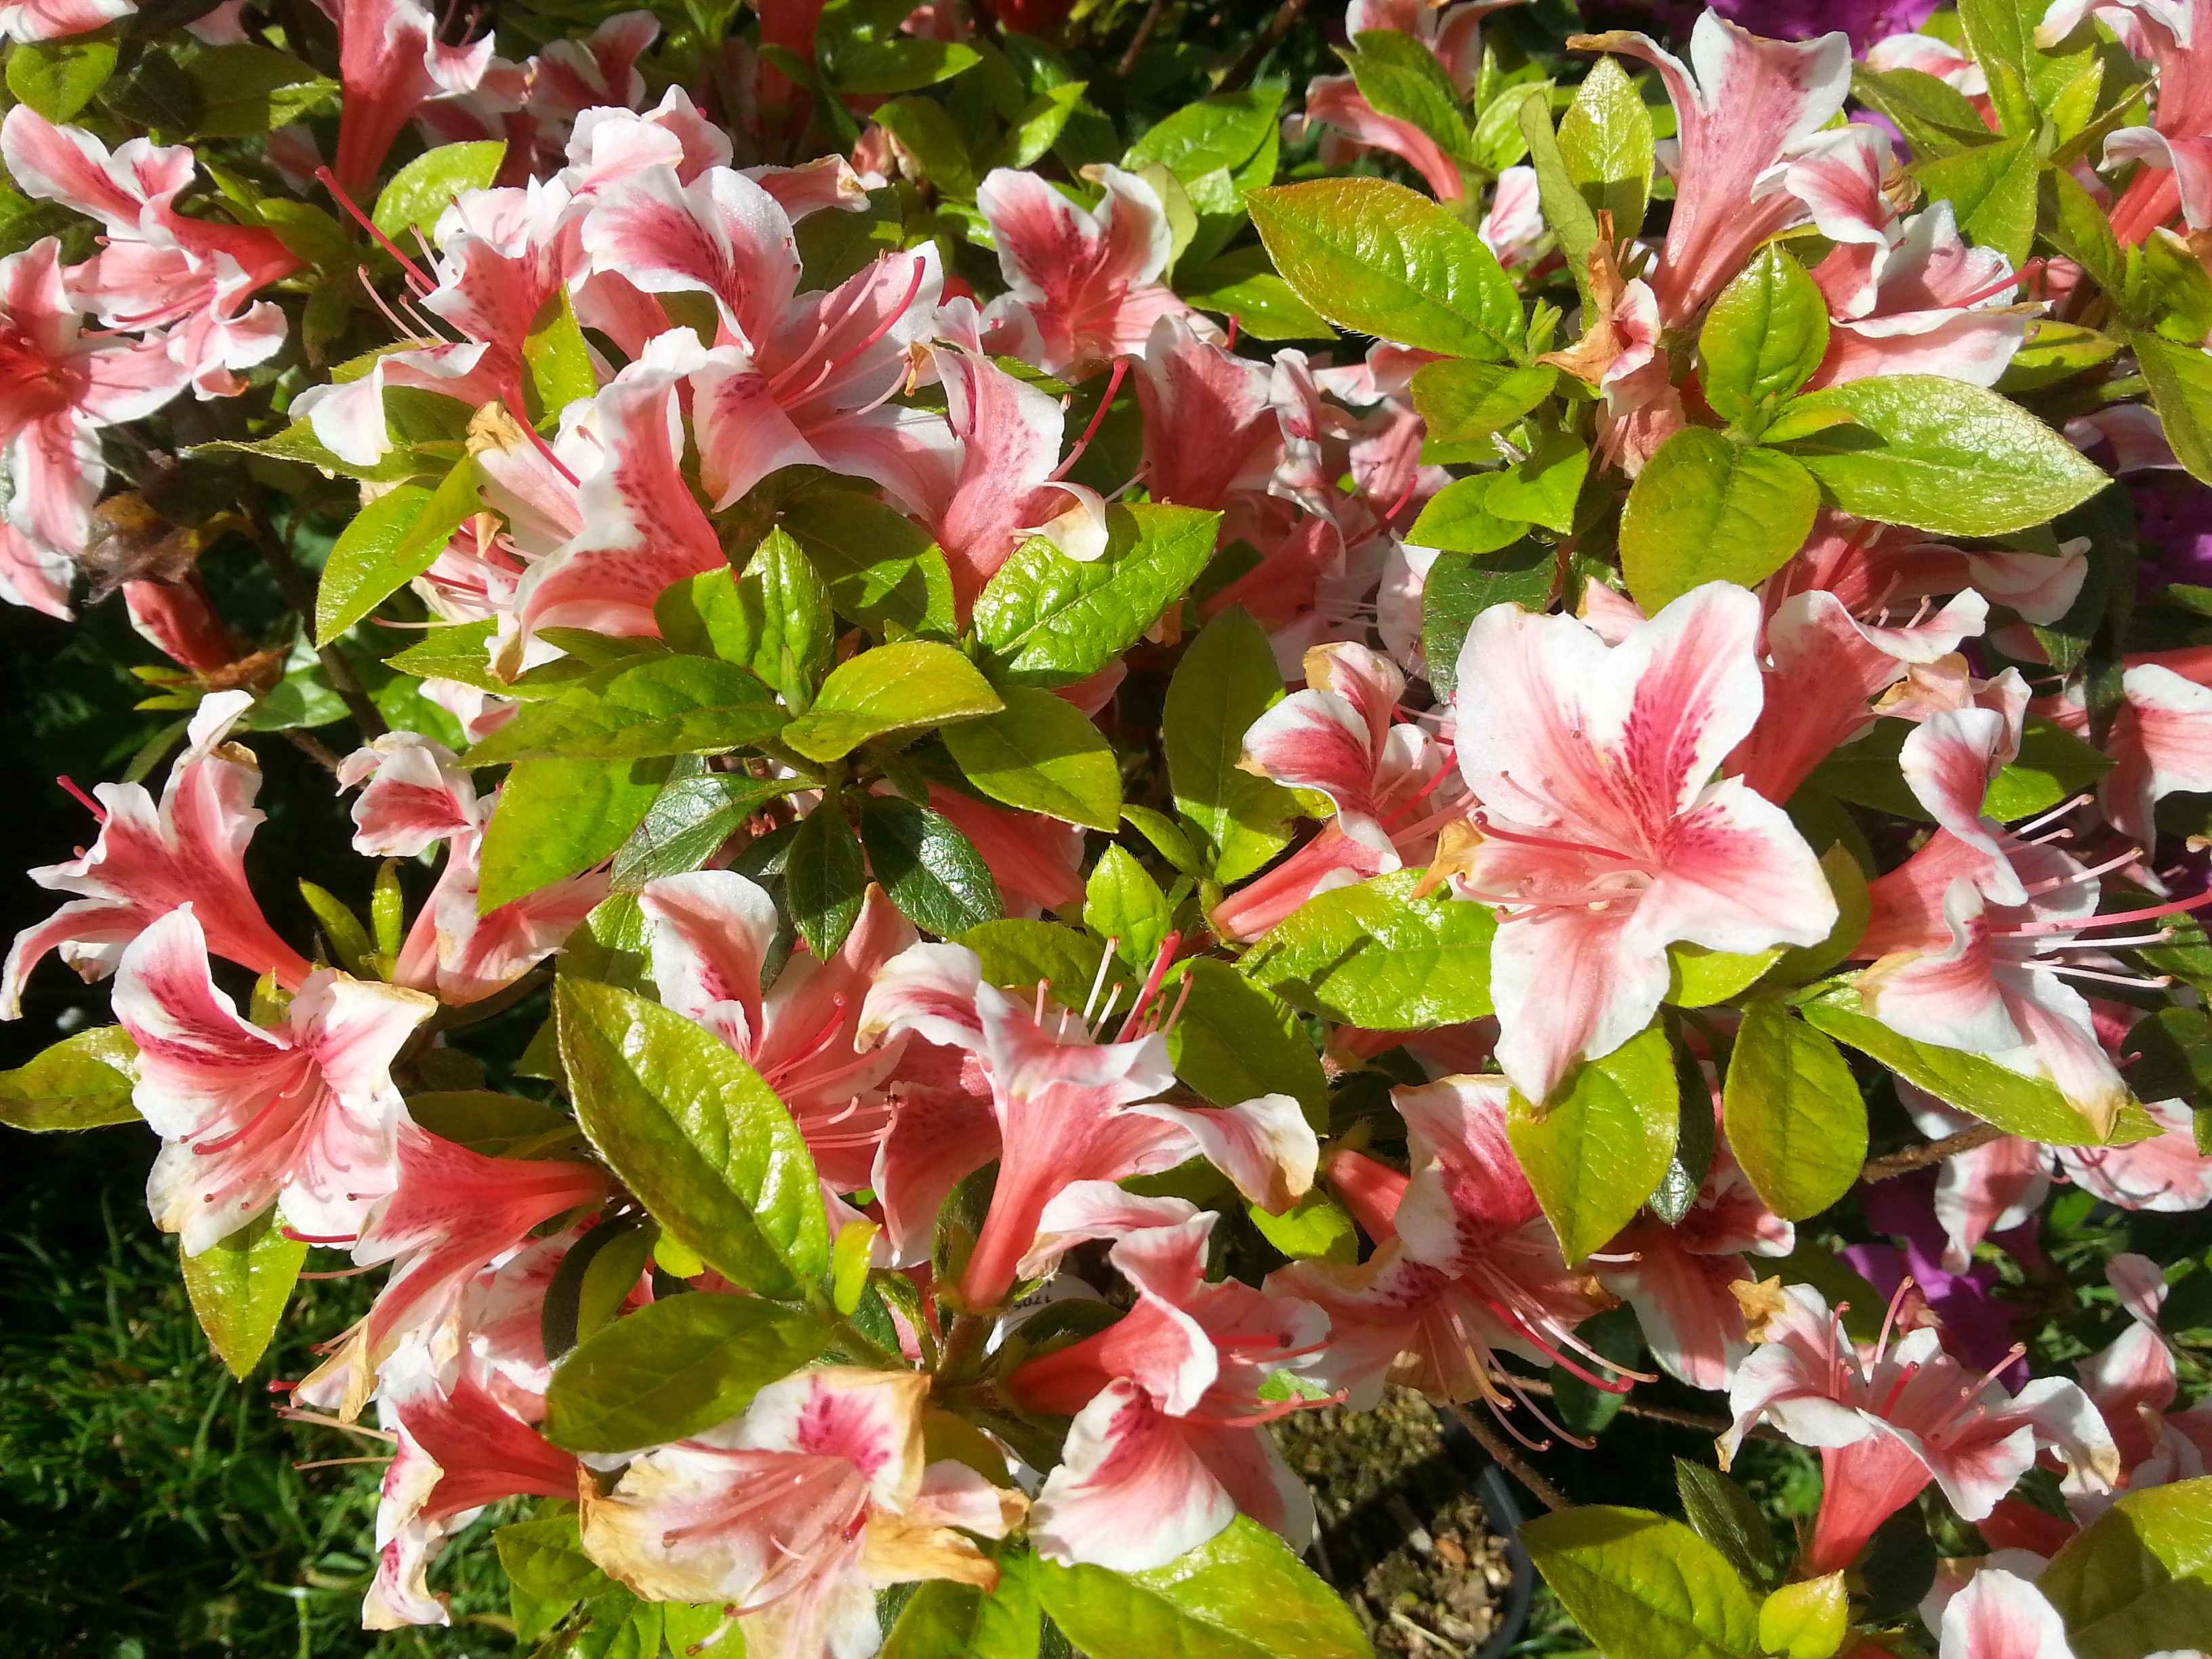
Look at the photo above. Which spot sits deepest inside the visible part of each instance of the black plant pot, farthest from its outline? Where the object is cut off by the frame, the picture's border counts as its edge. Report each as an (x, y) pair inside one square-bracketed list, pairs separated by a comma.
[(1503, 1509)]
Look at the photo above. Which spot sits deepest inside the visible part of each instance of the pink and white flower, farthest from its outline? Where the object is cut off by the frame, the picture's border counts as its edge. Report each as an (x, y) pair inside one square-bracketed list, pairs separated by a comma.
[(1604, 837)]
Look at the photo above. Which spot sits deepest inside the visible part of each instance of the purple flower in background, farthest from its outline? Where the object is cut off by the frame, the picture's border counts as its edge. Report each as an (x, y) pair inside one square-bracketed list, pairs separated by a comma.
[(1977, 1328), (2173, 526), (1865, 21)]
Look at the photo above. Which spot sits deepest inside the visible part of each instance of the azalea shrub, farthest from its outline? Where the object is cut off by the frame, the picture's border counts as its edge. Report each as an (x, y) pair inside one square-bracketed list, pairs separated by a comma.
[(1061, 740)]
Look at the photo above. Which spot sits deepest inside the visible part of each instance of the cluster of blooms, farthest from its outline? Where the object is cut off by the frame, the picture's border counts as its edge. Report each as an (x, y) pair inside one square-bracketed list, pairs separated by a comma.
[(1667, 693)]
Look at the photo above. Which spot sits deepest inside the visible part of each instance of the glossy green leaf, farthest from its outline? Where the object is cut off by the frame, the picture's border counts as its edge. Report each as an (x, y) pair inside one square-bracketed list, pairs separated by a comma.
[(1212, 133), (1704, 509), (556, 818), (1943, 455), (1763, 337), (58, 78), (239, 1287), (1643, 1587), (1542, 486), (497, 1126), (825, 879), (1047, 620), (1698, 978), (1806, 1620), (2052, 765), (1226, 680), (893, 688), (871, 69), (882, 568), (643, 706), (693, 1131), (1403, 81), (1597, 1151), (1565, 208), (82, 1082), (1464, 402), (1041, 753), (2024, 1106), (674, 1368), (693, 814), (928, 132), (1382, 259), (1124, 905), (1458, 519), (947, 1620), (1992, 191), (1605, 144), (246, 90), (396, 538), (423, 190), (1795, 1116), (1460, 588), (1236, 1041), (775, 620), (558, 359), (2180, 381), (1727, 1517), (926, 867), (546, 1557), (1934, 116), (1241, 1594), (1018, 954), (1372, 955), (1244, 284), (1317, 1227), (2138, 1579)]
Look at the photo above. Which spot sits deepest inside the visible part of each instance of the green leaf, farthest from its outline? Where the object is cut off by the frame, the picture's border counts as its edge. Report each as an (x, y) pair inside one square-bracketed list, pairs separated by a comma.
[(1382, 259), (546, 1557), (1047, 620), (1808, 1621), (927, 867), (246, 90), (1226, 680), (82, 1082), (1400, 78), (238, 1288), (1543, 487), (1167, 838), (559, 361), (1460, 588), (1704, 509), (58, 78), (1727, 1517), (2139, 1578), (1565, 208), (2053, 353), (1459, 519), (1317, 1227), (881, 567), (775, 620), (1605, 144), (946, 1620), (2024, 1106), (1235, 1042), (693, 1131), (2052, 765), (1020, 954), (556, 818), (691, 817), (1943, 455), (1763, 337), (1643, 1587), (1241, 1594), (459, 653), (1243, 284), (1934, 116), (1698, 978), (673, 1369), (870, 69), (1372, 955), (1041, 753), (423, 190), (1992, 190), (1795, 1116), (1224, 131), (1462, 402), (2180, 380), (395, 538), (894, 688), (825, 880), (2081, 230), (639, 707), (1598, 1152), (1124, 905), (927, 130), (498, 1126), (1847, 881)]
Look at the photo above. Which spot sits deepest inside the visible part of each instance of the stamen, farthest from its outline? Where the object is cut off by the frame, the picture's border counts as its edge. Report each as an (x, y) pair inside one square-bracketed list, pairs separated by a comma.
[(1098, 979), (2057, 812), (2174, 908), (2067, 969), (1113, 386), (82, 799), (414, 272)]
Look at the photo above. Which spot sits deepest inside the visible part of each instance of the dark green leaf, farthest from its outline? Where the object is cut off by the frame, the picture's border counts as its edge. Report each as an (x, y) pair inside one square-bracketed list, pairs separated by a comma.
[(1460, 588), (2180, 380), (881, 567), (1726, 1516), (690, 818), (927, 867), (825, 880), (246, 90), (1236, 1041), (1402, 79)]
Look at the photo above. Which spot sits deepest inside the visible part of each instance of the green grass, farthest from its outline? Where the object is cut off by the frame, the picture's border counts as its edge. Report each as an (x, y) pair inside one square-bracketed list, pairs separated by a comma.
[(149, 1503)]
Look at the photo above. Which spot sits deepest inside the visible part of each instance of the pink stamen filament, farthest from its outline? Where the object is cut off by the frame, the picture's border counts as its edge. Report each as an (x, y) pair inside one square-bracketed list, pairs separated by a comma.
[(82, 799), (414, 272), (2057, 812), (513, 399), (2068, 969), (1098, 416), (2075, 927)]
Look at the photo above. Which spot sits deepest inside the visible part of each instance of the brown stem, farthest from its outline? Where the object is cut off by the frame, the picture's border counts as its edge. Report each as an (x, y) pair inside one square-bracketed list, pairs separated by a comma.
[(1935, 1151), (1266, 41), (314, 749), (297, 594), (1141, 39), (1509, 1461), (1680, 1419)]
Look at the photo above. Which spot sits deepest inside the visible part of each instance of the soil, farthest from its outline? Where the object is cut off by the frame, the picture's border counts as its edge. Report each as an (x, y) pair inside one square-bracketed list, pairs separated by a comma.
[(1402, 1538)]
